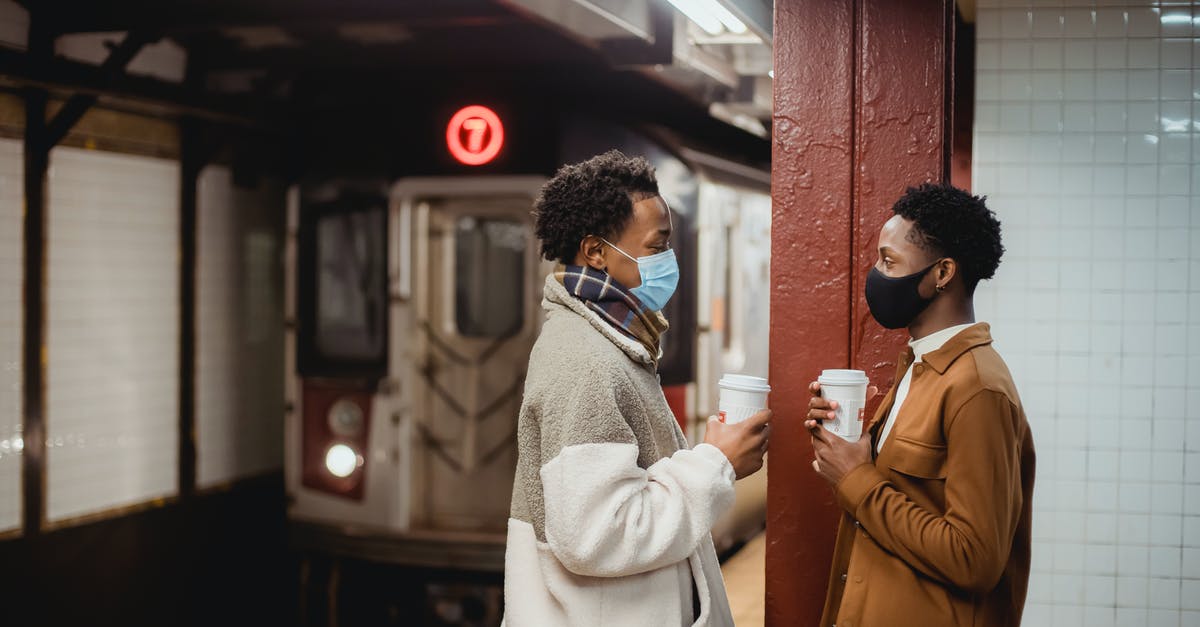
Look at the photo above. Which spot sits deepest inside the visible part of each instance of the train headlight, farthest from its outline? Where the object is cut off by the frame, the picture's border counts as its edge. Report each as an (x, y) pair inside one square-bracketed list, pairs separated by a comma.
[(341, 460), (346, 418)]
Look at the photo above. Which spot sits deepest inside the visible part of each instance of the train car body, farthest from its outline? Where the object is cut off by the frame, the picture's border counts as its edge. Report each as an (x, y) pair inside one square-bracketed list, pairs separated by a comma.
[(413, 305)]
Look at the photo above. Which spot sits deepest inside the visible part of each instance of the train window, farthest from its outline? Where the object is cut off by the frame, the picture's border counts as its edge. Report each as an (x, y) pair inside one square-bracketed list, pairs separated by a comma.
[(342, 286), (351, 308), (489, 291)]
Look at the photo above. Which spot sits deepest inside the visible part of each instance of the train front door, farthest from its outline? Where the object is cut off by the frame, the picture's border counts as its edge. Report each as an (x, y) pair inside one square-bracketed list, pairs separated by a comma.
[(477, 283)]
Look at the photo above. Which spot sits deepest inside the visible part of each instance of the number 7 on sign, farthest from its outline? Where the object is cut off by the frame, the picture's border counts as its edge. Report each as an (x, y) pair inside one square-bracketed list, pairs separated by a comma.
[(475, 128), (484, 135)]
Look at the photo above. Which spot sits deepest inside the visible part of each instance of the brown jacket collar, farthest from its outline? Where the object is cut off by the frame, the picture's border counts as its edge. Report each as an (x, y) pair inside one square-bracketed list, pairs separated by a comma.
[(971, 337)]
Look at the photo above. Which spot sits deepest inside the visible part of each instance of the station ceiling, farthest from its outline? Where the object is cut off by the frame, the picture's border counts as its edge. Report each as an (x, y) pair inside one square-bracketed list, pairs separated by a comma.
[(258, 55)]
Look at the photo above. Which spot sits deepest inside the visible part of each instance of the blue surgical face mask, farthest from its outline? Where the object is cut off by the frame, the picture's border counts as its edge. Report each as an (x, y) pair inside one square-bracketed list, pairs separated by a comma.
[(660, 276)]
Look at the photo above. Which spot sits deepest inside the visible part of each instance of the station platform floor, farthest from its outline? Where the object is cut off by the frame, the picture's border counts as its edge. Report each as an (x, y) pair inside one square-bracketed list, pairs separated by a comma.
[(745, 582)]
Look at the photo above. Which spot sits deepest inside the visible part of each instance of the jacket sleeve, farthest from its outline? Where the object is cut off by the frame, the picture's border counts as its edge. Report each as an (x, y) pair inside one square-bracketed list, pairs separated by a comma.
[(606, 516), (968, 547)]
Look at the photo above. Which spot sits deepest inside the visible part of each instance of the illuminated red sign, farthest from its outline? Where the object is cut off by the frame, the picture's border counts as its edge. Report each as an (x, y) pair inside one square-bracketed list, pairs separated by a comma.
[(475, 135)]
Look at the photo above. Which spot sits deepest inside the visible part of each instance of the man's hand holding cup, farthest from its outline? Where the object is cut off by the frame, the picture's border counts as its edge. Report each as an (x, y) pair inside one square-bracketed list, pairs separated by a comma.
[(835, 420)]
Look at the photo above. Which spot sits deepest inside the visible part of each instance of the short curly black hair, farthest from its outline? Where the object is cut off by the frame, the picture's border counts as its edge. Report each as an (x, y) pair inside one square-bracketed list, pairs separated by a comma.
[(594, 197), (951, 222)]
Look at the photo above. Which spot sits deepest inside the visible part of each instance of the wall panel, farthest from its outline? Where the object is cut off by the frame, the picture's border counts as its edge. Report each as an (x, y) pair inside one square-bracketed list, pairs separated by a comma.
[(239, 349)]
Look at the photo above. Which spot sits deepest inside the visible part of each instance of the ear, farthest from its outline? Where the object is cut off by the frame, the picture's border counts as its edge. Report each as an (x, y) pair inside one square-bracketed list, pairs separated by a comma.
[(944, 273), (592, 249)]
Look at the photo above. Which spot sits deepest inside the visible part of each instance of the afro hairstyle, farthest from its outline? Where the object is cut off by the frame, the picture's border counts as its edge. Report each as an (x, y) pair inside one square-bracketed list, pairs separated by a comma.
[(594, 197), (950, 222)]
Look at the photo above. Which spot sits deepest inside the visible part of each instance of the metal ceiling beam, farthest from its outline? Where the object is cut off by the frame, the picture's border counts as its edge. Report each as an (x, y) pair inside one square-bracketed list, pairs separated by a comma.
[(593, 19), (524, 49), (183, 16), (68, 78), (658, 50), (74, 109)]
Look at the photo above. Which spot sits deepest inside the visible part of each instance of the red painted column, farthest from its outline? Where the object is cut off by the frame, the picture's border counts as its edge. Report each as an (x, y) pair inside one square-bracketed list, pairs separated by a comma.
[(811, 278), (903, 137), (861, 112)]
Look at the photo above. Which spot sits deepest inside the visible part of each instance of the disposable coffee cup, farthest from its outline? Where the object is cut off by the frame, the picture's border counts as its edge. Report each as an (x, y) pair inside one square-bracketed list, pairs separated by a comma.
[(849, 389), (742, 396)]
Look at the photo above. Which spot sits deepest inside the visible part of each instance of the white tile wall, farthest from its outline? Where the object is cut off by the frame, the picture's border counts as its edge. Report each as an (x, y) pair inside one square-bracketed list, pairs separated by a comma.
[(239, 369), (112, 331), (12, 252), (1086, 142)]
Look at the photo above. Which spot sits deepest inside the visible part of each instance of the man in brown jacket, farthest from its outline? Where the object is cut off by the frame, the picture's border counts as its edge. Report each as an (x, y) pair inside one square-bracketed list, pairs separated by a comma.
[(937, 500)]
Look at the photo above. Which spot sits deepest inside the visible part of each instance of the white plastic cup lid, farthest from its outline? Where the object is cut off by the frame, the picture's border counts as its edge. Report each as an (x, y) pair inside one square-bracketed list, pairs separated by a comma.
[(744, 383), (842, 377)]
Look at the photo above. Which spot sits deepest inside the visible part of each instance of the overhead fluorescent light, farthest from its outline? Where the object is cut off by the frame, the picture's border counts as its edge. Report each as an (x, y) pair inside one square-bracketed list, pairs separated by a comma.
[(696, 11), (710, 15), (728, 19)]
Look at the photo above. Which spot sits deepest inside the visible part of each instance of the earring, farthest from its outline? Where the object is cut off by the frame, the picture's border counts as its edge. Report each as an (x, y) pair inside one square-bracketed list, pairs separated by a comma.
[(941, 288)]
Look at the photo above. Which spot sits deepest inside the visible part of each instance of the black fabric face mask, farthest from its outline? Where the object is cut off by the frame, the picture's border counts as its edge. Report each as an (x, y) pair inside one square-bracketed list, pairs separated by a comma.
[(895, 301)]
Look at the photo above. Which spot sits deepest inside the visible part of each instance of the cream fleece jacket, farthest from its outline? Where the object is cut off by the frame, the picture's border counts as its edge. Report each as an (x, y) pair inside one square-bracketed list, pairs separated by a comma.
[(611, 510)]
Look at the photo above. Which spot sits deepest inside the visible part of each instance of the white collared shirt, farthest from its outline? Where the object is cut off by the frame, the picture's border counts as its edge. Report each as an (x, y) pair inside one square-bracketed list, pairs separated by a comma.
[(927, 344)]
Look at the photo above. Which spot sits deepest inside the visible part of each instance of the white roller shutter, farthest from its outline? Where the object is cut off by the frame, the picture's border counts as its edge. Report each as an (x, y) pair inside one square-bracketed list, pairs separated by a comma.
[(112, 331), (12, 250)]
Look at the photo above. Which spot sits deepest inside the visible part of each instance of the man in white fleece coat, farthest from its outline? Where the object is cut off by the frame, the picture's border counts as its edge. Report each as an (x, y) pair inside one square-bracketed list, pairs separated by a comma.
[(611, 510)]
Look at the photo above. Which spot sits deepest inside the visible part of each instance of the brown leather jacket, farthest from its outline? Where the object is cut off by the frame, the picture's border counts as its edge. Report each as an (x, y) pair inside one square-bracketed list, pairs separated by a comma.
[(937, 530)]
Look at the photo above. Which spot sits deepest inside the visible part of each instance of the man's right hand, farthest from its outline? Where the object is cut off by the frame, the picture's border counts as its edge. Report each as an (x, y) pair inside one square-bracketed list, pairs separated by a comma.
[(744, 443), (819, 409)]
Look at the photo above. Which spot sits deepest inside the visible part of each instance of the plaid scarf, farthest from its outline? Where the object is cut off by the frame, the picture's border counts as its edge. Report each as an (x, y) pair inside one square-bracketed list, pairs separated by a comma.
[(603, 295)]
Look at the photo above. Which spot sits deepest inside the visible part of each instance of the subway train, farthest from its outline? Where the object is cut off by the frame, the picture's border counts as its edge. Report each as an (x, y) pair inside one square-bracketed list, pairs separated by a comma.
[(413, 304)]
